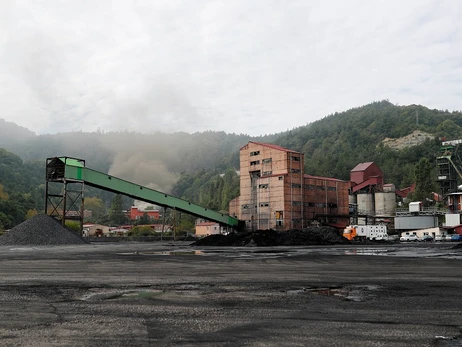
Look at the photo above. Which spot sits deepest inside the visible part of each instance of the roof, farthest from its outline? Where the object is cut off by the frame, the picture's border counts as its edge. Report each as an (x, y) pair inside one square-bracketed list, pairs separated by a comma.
[(323, 178), (362, 166), (206, 224), (72, 161), (269, 145)]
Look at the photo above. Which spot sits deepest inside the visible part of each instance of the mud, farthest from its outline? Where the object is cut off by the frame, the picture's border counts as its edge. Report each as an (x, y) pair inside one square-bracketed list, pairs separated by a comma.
[(141, 294)]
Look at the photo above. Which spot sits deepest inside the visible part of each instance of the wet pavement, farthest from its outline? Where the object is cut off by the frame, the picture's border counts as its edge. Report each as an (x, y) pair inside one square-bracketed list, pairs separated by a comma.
[(170, 294)]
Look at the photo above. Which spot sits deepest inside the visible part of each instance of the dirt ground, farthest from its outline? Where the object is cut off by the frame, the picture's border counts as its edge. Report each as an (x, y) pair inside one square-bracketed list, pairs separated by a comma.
[(172, 294)]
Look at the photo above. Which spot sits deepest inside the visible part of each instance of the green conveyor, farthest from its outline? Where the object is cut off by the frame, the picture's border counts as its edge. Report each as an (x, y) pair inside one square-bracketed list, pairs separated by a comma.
[(74, 170)]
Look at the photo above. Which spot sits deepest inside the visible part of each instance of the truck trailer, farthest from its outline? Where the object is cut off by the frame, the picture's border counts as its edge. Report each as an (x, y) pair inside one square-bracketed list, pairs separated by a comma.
[(366, 232)]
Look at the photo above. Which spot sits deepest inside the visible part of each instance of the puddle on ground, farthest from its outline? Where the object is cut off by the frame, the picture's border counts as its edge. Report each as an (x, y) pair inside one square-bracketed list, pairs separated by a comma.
[(184, 293), (443, 341), (368, 251), (165, 253), (353, 293)]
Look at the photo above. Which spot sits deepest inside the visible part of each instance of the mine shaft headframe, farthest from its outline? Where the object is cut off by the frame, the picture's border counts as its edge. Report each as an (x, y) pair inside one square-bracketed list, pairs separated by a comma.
[(55, 167)]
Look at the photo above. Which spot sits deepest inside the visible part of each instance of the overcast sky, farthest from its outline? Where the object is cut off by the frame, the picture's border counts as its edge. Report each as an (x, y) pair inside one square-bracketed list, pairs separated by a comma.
[(243, 66)]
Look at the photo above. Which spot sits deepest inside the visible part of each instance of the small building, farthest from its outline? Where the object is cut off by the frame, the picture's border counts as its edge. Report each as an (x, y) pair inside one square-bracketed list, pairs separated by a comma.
[(92, 229), (366, 174), (208, 228), (422, 233), (136, 213)]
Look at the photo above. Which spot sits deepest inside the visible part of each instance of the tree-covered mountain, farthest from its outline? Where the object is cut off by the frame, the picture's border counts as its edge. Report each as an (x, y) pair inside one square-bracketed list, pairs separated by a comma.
[(335, 144), (21, 189), (201, 167)]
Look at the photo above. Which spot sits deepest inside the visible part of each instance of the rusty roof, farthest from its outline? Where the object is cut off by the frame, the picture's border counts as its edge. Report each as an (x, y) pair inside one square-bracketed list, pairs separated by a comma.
[(270, 145), (323, 178), (362, 166)]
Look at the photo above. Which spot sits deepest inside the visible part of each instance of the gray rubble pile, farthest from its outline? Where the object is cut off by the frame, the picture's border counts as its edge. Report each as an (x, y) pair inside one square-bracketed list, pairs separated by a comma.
[(40, 230)]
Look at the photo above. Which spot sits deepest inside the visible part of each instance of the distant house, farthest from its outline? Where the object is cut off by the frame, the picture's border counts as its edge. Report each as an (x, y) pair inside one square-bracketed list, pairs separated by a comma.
[(135, 213), (92, 229), (208, 228)]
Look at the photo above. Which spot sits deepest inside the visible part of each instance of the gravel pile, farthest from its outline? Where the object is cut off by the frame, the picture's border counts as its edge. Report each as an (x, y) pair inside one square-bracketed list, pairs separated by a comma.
[(40, 230), (262, 238)]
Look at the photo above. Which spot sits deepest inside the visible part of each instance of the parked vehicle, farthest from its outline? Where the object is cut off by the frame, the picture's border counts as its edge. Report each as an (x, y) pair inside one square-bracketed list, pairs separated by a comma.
[(456, 237), (366, 232), (427, 238), (408, 238), (440, 237)]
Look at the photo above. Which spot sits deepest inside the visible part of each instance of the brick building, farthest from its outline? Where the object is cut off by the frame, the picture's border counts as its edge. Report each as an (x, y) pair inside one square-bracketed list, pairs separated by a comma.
[(135, 213), (276, 194)]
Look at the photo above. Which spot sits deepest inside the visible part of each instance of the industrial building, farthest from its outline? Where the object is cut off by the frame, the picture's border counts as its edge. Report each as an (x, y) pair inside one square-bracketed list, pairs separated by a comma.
[(277, 194), (370, 197)]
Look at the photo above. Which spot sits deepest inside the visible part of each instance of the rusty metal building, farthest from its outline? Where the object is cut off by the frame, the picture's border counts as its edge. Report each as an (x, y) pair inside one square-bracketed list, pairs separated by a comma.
[(277, 194)]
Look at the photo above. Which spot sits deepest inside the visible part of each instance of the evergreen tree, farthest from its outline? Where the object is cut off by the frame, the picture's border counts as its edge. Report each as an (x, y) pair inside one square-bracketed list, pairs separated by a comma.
[(424, 184), (116, 213)]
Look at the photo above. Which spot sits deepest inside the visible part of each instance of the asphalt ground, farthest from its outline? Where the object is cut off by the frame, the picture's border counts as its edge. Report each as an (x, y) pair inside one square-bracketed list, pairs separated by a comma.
[(170, 294)]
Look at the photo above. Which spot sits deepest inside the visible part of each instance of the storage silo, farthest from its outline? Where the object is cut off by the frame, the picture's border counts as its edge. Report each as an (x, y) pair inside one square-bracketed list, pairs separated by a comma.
[(385, 204), (366, 204)]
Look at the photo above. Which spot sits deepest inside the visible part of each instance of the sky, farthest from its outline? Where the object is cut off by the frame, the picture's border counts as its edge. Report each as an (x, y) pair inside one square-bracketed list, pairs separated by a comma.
[(241, 66)]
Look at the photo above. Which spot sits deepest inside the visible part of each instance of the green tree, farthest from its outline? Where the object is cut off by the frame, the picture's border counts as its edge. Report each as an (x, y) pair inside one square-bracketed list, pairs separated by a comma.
[(141, 230), (424, 182), (96, 206), (145, 219), (116, 213)]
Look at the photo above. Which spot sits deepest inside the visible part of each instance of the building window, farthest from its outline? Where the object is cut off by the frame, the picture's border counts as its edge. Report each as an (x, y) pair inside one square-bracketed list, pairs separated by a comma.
[(254, 153), (263, 186), (296, 185), (332, 189), (267, 160), (256, 162), (264, 204), (280, 178), (295, 171), (245, 206), (295, 158), (309, 187), (279, 218), (319, 204), (320, 187), (296, 203), (267, 173), (309, 204)]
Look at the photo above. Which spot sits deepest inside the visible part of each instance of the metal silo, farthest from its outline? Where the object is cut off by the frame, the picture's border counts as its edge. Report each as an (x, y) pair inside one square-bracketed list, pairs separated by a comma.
[(366, 204), (385, 204)]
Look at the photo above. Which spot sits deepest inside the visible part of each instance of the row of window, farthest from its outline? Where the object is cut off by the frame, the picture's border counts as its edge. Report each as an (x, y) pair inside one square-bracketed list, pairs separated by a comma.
[(254, 153), (295, 203), (297, 185), (256, 162)]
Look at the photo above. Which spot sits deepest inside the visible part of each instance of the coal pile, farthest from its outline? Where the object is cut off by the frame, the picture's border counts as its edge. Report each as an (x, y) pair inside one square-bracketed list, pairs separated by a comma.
[(264, 238), (40, 230)]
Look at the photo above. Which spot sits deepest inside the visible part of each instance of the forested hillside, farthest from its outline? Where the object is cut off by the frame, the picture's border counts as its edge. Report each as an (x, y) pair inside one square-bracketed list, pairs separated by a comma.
[(21, 189), (335, 144), (202, 167)]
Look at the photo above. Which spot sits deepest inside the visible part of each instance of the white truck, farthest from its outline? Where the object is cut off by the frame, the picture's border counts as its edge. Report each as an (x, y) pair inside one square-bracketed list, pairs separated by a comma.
[(369, 232)]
